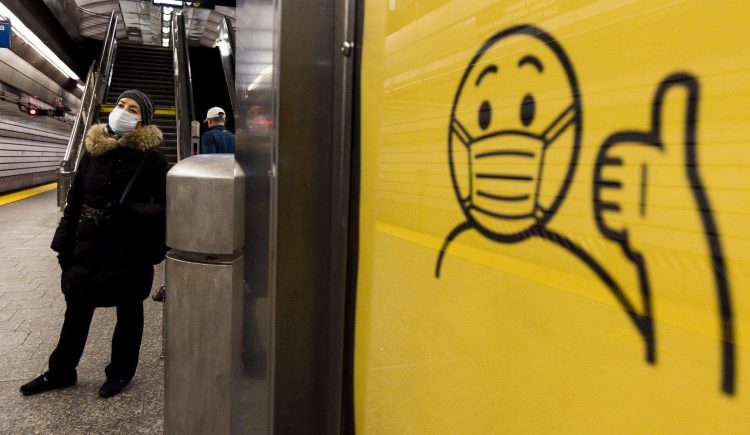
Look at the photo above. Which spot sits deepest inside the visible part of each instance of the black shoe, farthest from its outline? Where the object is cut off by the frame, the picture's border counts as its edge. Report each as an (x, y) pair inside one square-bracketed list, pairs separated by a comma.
[(42, 384), (111, 387)]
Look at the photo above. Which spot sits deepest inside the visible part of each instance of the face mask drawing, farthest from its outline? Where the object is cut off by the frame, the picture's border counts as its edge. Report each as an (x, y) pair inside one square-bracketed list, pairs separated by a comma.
[(513, 143), (505, 170), (121, 121), (514, 135)]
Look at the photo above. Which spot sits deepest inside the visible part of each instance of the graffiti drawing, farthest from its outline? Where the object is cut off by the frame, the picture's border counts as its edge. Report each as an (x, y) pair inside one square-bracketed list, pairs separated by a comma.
[(609, 214), (498, 154)]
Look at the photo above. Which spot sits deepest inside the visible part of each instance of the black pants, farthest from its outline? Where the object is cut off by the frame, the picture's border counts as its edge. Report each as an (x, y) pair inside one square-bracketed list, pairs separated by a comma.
[(126, 341)]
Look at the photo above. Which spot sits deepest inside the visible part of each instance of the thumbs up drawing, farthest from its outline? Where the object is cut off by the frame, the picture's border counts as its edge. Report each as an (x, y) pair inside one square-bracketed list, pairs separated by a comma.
[(624, 199)]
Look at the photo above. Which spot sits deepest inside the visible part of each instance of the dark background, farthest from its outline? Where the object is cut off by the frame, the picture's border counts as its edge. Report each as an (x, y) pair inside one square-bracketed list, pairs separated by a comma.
[(209, 85)]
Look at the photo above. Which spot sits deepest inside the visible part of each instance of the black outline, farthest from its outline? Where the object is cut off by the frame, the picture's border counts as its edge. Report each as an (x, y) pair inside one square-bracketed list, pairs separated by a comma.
[(560, 118), (488, 69), (460, 228), (644, 185), (501, 197), (643, 321), (463, 135), (528, 110), (549, 41), (532, 60), (516, 153), (653, 138), (501, 215), (505, 177), (348, 417)]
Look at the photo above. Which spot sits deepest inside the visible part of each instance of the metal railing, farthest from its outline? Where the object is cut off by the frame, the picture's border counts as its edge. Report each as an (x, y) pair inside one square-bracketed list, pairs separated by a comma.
[(107, 58), (228, 57), (97, 84), (183, 87)]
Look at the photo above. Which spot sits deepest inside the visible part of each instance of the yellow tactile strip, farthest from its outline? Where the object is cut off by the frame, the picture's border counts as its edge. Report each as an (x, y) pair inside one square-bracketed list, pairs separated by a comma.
[(26, 193)]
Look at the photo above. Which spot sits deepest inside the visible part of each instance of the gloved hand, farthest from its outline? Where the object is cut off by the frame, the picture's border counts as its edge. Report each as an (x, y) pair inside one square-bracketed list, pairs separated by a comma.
[(66, 260)]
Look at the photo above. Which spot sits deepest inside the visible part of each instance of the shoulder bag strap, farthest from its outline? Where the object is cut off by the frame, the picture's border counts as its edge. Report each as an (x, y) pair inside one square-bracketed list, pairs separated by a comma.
[(132, 179)]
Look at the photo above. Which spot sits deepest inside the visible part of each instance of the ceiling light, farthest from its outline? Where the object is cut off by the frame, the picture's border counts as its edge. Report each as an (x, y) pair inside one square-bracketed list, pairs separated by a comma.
[(165, 29), (167, 2), (27, 35)]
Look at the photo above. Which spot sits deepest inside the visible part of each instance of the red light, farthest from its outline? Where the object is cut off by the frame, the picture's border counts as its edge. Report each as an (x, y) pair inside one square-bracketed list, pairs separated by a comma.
[(32, 111)]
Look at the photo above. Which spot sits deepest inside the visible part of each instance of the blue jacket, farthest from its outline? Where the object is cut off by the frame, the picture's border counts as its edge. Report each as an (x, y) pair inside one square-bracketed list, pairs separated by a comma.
[(217, 140)]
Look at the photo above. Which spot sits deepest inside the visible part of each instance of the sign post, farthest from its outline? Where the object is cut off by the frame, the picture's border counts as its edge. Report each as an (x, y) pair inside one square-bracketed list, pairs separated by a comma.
[(5, 34)]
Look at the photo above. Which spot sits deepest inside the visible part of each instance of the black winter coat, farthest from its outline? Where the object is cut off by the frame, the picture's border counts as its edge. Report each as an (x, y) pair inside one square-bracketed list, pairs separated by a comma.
[(122, 246)]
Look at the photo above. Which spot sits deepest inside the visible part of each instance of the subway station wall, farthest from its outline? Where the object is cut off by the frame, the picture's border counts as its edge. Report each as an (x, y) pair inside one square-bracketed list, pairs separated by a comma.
[(554, 217), (30, 148)]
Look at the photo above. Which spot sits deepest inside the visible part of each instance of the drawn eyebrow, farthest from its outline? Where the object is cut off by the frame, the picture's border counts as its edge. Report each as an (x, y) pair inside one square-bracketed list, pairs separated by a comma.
[(532, 60), (487, 70)]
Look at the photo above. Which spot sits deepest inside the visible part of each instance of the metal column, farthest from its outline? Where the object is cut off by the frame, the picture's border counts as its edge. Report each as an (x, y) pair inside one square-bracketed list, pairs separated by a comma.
[(204, 270)]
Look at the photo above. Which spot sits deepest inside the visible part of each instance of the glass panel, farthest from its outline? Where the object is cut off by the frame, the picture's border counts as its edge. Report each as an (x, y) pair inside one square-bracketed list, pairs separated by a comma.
[(553, 217), (255, 144)]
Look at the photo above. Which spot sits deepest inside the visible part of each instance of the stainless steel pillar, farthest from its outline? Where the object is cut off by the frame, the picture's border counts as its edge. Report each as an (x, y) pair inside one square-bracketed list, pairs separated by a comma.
[(204, 270)]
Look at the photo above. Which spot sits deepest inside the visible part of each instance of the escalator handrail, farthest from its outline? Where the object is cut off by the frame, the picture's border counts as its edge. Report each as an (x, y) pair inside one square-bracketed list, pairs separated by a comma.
[(230, 32), (97, 82), (228, 65), (91, 98), (80, 122), (106, 60), (188, 74), (185, 110)]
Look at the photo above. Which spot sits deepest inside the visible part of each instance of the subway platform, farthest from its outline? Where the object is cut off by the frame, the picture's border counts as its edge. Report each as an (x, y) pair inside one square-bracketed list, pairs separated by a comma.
[(31, 314)]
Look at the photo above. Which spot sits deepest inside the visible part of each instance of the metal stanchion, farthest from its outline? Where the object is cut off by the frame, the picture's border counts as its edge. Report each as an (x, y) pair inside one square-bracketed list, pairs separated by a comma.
[(204, 270)]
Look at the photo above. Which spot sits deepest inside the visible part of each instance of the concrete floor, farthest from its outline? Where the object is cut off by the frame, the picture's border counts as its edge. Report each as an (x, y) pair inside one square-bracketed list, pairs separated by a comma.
[(31, 314)]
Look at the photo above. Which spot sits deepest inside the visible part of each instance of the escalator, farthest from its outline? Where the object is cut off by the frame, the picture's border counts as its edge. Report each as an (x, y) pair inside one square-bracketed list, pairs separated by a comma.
[(150, 70), (161, 73)]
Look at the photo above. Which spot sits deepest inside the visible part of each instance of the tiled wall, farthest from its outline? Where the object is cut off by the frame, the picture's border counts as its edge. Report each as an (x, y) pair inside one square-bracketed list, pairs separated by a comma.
[(30, 148)]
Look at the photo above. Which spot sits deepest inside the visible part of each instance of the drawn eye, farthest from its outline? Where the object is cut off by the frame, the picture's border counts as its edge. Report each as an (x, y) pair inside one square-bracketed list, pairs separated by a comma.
[(528, 108), (485, 115)]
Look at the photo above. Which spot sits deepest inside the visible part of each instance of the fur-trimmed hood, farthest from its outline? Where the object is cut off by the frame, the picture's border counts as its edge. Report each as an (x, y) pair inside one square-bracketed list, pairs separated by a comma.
[(144, 138)]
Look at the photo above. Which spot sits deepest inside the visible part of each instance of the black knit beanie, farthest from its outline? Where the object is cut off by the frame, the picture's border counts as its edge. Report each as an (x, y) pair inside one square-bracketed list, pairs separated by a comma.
[(144, 102)]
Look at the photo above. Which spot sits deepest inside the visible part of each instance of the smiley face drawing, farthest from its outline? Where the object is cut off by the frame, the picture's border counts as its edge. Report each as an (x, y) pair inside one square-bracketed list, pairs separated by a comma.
[(514, 135), (514, 138), (513, 144)]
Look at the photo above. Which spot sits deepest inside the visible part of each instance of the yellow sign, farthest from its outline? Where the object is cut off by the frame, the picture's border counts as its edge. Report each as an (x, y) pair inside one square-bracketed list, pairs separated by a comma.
[(554, 217)]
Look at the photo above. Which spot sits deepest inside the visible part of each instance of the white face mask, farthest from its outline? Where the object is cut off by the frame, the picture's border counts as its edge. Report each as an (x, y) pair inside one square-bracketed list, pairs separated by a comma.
[(121, 121)]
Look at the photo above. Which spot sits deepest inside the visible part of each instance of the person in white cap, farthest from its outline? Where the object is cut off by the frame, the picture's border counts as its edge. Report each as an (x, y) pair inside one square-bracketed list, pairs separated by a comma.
[(217, 139)]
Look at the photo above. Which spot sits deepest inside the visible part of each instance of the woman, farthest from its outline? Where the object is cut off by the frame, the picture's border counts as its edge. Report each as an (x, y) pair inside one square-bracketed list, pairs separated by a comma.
[(107, 244)]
